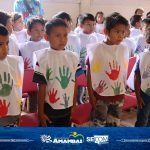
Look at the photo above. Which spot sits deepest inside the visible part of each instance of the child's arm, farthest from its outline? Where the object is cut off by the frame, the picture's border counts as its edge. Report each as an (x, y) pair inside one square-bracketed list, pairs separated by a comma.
[(137, 85), (90, 90), (41, 98)]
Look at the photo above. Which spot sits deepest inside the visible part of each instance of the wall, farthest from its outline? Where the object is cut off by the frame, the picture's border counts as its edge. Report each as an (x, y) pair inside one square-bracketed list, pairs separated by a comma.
[(75, 7)]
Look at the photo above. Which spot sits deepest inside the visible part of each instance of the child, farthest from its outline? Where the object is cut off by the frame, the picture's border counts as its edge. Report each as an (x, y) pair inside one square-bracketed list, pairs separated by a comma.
[(5, 19), (35, 29), (73, 43), (141, 42), (99, 18), (107, 65), (18, 28), (11, 79), (55, 73), (136, 23), (141, 84)]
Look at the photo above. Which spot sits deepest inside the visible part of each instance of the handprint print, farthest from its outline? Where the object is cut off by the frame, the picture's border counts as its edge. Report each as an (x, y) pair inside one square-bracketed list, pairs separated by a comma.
[(115, 70), (69, 48), (48, 74), (116, 88), (101, 87), (6, 85), (83, 53), (3, 108), (146, 73), (27, 62), (64, 77), (66, 100), (52, 96)]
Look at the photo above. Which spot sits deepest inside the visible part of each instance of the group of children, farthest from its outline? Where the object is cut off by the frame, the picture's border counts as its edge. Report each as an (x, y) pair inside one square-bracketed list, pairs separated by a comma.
[(59, 55)]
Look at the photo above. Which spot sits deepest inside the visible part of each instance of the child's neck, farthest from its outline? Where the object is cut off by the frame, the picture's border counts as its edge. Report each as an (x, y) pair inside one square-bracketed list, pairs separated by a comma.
[(57, 49)]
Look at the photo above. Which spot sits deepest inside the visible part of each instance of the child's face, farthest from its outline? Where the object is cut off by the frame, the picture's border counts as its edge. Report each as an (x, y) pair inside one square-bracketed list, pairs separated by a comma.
[(100, 18), (116, 34), (58, 37), (37, 32), (145, 26), (9, 25), (4, 40), (18, 24), (88, 26)]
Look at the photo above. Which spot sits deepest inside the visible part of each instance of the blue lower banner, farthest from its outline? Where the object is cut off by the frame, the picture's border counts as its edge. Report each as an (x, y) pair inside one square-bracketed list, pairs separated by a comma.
[(74, 138)]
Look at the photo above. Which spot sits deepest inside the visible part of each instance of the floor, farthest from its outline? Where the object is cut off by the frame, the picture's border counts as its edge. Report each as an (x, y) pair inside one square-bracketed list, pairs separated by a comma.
[(128, 118)]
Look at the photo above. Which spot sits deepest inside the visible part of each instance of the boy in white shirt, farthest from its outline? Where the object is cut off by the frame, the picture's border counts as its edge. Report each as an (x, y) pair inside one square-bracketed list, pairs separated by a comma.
[(18, 27), (35, 29), (5, 19), (73, 43), (11, 79), (141, 85), (55, 72), (107, 64)]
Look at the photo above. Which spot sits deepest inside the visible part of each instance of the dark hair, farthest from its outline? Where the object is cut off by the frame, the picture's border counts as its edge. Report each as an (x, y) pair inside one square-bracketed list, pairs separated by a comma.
[(148, 14), (146, 20), (98, 13), (134, 19), (34, 21), (147, 35), (87, 16), (3, 30), (56, 22), (137, 10), (62, 15), (4, 18), (112, 20), (15, 16)]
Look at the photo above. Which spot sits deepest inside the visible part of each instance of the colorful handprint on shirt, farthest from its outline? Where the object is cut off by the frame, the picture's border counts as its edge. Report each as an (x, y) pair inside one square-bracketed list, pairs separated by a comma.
[(69, 48), (117, 88), (64, 77), (83, 53), (27, 63), (66, 100), (5, 85), (48, 74), (96, 66), (114, 71), (101, 87), (146, 73), (3, 108), (52, 96)]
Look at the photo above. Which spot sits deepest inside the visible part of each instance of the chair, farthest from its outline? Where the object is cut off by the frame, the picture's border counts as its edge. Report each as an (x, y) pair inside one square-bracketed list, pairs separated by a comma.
[(28, 86), (29, 120), (81, 114)]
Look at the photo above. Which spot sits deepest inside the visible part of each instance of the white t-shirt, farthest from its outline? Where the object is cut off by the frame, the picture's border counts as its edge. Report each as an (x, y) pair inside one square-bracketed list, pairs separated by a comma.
[(77, 30), (131, 46), (21, 35), (73, 43), (85, 39), (99, 28), (135, 32), (100, 37), (13, 46), (58, 69), (11, 79), (29, 47), (108, 67)]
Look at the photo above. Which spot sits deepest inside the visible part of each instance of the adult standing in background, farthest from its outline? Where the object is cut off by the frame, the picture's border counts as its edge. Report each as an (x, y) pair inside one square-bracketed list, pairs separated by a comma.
[(29, 8)]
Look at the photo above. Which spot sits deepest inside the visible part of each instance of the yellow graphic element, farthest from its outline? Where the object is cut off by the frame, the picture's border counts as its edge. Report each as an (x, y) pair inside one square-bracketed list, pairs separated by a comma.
[(126, 64), (96, 66), (19, 102), (75, 135), (19, 81)]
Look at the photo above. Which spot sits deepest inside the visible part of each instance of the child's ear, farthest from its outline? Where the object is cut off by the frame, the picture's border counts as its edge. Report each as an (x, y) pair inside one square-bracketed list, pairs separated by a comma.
[(28, 32), (46, 37)]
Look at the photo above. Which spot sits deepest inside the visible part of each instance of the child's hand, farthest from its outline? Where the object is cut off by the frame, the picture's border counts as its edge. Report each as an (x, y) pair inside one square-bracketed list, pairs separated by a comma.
[(43, 119), (140, 102)]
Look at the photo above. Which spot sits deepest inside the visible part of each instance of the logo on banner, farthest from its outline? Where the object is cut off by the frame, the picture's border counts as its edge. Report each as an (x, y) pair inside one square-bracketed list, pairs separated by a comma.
[(74, 138), (98, 139)]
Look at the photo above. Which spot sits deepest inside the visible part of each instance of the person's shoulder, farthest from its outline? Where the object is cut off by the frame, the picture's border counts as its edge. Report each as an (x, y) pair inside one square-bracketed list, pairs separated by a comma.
[(13, 59)]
